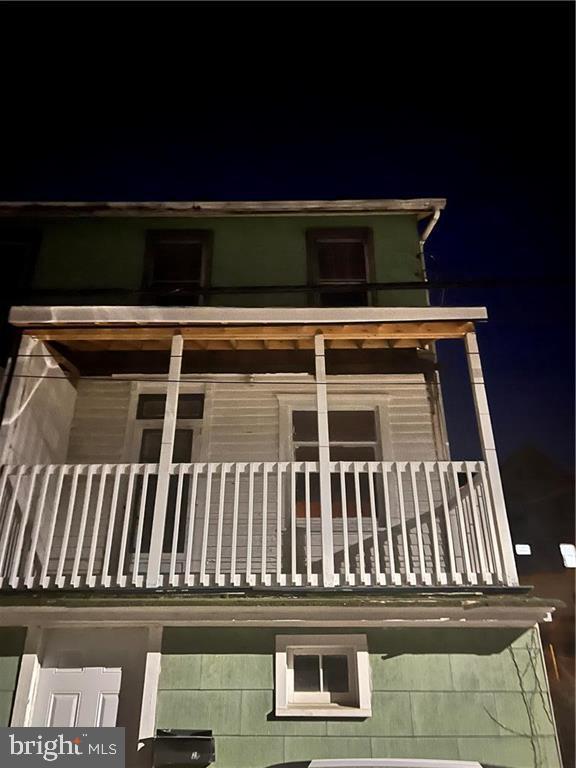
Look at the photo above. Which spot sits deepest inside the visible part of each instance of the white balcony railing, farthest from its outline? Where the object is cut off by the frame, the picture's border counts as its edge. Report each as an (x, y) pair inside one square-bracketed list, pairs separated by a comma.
[(248, 524)]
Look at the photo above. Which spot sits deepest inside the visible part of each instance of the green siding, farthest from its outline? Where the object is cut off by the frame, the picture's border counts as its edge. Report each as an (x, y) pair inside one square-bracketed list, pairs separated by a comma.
[(109, 253), (11, 646), (444, 693)]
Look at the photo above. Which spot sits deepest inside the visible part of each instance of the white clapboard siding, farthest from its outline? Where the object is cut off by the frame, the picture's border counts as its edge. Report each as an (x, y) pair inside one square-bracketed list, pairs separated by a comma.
[(242, 419), (99, 425)]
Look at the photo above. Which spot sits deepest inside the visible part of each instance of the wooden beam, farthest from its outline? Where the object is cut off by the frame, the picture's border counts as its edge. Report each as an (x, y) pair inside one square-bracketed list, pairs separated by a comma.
[(162, 336), (70, 370)]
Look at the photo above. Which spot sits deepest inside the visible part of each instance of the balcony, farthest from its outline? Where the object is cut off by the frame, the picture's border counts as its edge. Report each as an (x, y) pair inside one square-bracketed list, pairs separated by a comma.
[(248, 524), (244, 508)]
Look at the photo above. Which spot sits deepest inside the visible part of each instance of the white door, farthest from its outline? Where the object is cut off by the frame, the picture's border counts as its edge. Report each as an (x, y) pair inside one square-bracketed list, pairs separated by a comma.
[(77, 697)]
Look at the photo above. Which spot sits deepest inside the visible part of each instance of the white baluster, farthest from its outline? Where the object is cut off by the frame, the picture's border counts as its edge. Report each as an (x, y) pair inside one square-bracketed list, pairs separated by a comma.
[(121, 577), (380, 578), (204, 577), (219, 578), (235, 578), (44, 578)]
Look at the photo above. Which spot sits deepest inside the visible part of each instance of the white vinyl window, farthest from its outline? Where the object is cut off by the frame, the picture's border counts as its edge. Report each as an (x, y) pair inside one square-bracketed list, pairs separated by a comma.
[(322, 676)]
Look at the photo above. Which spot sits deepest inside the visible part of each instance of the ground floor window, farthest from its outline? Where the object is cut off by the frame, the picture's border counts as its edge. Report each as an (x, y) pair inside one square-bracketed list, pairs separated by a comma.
[(322, 676)]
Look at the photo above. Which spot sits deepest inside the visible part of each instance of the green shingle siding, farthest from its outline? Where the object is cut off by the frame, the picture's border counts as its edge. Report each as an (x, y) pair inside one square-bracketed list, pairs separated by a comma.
[(445, 693), (106, 253)]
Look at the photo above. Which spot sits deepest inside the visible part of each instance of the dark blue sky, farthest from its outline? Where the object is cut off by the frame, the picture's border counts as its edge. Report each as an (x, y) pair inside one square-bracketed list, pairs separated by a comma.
[(472, 102)]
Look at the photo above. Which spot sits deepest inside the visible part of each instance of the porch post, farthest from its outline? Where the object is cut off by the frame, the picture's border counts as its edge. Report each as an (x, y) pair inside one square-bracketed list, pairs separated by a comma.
[(490, 457), (166, 452), (328, 578), (147, 728), (27, 679)]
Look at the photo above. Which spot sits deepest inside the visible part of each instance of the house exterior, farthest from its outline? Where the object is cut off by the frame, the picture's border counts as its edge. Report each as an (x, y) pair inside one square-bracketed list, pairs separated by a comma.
[(227, 499)]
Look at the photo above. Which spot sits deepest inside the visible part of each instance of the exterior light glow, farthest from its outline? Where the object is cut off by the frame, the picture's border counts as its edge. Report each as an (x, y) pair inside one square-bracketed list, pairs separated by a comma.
[(523, 549)]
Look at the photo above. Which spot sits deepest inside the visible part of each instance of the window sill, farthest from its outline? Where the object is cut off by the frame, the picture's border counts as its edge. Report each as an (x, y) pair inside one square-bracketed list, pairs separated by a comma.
[(322, 710)]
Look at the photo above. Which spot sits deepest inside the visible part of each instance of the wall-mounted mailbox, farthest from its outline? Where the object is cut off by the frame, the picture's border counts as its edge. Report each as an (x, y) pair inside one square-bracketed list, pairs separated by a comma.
[(176, 748)]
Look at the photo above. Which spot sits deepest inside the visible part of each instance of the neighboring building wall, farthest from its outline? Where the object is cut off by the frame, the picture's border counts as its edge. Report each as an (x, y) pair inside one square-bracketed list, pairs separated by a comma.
[(449, 693), (265, 250), (37, 419), (11, 647)]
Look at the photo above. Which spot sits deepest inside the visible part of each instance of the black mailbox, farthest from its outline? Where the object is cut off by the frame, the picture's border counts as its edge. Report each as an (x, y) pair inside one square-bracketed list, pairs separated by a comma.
[(176, 748)]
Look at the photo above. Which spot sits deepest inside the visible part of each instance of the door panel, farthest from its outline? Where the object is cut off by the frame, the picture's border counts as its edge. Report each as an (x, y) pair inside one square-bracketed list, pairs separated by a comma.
[(107, 710), (62, 710)]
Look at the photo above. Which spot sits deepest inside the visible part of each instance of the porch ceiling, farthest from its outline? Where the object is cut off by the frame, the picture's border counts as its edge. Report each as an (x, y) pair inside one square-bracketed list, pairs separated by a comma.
[(392, 335)]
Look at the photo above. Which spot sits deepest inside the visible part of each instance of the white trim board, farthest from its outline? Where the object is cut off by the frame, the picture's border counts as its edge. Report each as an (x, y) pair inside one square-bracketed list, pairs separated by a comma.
[(38, 316)]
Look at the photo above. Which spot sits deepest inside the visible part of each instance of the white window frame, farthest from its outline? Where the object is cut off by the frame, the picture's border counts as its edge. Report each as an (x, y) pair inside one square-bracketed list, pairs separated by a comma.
[(135, 426), (336, 402), (291, 704)]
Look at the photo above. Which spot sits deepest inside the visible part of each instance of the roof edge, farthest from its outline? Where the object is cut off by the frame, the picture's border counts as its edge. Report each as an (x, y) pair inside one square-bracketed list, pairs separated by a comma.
[(422, 206)]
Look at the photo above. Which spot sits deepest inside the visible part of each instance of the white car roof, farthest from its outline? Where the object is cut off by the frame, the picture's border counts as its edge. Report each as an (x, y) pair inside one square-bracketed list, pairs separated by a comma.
[(393, 763)]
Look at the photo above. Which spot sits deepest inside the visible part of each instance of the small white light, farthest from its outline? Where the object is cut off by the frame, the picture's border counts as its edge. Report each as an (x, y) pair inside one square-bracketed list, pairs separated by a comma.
[(523, 549), (568, 552)]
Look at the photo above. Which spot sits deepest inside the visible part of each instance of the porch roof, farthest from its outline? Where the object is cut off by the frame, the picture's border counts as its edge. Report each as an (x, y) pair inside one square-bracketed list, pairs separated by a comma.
[(220, 328), (36, 316)]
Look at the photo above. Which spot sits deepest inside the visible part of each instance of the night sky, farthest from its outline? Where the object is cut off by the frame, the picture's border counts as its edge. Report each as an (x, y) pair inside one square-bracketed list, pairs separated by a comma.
[(472, 102)]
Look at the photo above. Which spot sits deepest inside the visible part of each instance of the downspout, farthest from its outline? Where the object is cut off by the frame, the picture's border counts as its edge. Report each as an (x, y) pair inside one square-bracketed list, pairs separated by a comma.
[(429, 227), (435, 389)]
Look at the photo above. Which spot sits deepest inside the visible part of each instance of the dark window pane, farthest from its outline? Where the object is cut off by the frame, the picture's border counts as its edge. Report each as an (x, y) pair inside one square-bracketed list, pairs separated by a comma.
[(177, 262), (341, 261), (306, 453), (305, 426), (152, 442), (191, 406), (306, 673), (352, 453), (150, 445), (352, 426), (152, 406), (335, 674), (182, 446)]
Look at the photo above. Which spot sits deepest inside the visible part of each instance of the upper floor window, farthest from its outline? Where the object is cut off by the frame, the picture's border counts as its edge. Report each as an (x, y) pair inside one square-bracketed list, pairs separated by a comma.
[(340, 264), (177, 264)]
